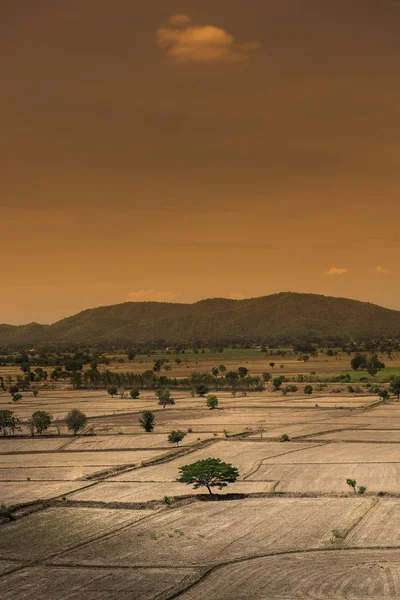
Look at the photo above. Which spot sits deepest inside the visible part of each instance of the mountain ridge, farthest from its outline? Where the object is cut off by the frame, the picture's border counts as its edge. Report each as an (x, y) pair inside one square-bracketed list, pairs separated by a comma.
[(285, 314)]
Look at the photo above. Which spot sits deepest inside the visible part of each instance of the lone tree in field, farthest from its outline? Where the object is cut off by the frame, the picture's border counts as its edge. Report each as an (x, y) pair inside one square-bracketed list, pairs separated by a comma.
[(212, 401), (164, 397), (8, 421), (394, 386), (113, 391), (147, 420), (134, 394), (209, 473), (75, 420), (17, 397), (353, 484), (176, 436), (242, 372), (308, 389), (41, 421)]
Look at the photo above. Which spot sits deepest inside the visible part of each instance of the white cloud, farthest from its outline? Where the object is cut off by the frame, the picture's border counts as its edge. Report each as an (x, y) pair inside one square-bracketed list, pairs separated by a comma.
[(187, 42), (383, 270), (336, 271), (153, 296)]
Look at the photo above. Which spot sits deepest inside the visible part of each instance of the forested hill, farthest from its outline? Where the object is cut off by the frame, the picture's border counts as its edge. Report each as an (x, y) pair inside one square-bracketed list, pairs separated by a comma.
[(286, 315)]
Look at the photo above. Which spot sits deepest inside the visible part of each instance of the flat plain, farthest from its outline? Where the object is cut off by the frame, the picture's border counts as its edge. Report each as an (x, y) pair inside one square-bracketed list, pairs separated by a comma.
[(101, 515)]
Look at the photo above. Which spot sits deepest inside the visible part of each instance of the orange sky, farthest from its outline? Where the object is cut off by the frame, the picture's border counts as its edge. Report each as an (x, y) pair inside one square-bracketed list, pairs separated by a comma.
[(239, 150)]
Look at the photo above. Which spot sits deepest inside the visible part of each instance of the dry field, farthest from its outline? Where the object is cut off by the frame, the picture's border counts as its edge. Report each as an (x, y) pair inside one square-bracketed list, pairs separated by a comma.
[(90, 520)]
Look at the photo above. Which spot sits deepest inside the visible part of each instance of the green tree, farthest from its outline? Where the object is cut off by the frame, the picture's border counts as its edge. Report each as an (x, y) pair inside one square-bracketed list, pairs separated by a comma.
[(308, 389), (113, 390), (14, 389), (147, 420), (164, 397), (134, 394), (215, 371), (267, 376), (176, 436), (359, 362), (277, 382), (394, 386), (352, 483), (75, 420), (212, 401), (131, 354), (41, 421), (272, 364), (374, 364), (209, 473), (242, 372), (17, 397), (222, 368), (8, 421), (384, 394), (201, 389)]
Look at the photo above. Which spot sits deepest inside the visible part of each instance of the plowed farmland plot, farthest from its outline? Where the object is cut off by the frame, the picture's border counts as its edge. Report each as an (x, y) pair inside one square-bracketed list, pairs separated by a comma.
[(57, 583), (364, 435), (107, 518), (246, 456), (329, 478), (368, 574), (134, 442), (216, 532), (18, 492), (343, 454), (65, 527)]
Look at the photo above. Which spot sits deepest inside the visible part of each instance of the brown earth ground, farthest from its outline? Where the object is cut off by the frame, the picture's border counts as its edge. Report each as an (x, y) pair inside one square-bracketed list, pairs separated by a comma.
[(101, 515)]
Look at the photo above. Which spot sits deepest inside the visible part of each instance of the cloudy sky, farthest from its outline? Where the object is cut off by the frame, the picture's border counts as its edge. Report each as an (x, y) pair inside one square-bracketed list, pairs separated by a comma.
[(188, 149)]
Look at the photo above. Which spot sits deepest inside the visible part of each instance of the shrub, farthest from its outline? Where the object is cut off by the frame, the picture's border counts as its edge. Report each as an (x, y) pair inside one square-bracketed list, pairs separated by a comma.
[(134, 394), (285, 437)]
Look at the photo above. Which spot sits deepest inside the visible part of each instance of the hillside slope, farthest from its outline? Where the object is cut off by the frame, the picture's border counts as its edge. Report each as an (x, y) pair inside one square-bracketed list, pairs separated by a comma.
[(286, 314)]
